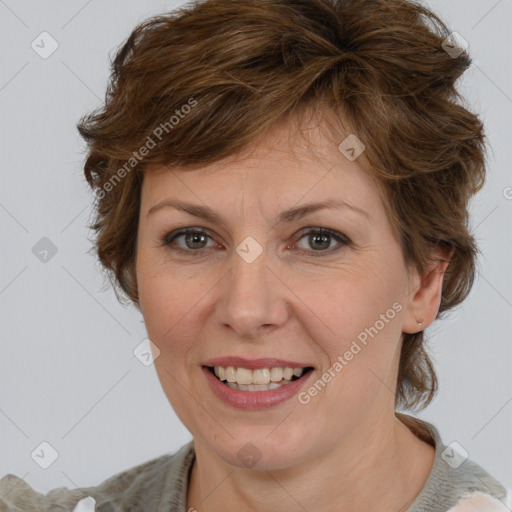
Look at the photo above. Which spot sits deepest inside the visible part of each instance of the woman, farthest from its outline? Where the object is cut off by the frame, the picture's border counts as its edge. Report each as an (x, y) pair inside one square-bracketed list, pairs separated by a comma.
[(282, 190)]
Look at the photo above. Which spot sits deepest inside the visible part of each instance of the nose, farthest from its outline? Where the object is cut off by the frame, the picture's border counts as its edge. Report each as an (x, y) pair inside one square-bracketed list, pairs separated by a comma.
[(253, 298)]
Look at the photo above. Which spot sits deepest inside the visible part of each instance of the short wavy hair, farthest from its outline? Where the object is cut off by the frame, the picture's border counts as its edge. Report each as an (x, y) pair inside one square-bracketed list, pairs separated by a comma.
[(204, 81)]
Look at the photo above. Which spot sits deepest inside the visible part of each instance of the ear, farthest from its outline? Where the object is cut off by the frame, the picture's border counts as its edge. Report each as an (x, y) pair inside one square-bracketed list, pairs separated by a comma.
[(426, 293)]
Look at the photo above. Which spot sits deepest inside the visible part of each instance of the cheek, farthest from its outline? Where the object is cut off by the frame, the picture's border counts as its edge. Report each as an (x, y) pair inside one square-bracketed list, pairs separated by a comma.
[(168, 309), (167, 303), (163, 289), (169, 306), (336, 305), (357, 303), (364, 321)]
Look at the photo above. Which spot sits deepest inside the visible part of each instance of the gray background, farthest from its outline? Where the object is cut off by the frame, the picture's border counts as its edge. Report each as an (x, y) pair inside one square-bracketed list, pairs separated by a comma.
[(68, 374)]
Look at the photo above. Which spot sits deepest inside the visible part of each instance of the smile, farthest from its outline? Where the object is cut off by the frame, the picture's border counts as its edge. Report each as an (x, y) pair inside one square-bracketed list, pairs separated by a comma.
[(244, 388), (261, 379)]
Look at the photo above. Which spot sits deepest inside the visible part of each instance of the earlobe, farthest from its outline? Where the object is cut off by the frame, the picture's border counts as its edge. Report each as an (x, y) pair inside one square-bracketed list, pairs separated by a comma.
[(424, 304)]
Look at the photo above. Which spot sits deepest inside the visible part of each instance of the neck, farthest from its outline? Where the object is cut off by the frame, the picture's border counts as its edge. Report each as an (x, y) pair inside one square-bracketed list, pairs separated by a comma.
[(368, 471)]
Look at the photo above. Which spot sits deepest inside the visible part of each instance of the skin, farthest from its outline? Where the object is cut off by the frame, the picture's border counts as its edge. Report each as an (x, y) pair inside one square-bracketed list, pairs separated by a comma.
[(345, 449)]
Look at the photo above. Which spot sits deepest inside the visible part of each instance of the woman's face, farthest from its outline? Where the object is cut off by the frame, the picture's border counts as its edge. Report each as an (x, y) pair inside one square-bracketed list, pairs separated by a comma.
[(260, 285)]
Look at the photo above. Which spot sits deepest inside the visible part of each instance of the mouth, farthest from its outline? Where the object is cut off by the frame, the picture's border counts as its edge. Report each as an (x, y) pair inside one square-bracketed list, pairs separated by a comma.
[(260, 379)]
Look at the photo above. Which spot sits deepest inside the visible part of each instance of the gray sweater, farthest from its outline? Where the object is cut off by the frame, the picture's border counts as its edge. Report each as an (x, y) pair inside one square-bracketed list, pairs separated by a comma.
[(160, 484)]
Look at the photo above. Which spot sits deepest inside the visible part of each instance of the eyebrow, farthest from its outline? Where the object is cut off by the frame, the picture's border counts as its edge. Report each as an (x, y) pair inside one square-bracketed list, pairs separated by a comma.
[(287, 216)]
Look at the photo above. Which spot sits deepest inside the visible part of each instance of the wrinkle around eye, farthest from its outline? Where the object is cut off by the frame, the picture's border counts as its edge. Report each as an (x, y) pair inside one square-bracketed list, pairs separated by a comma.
[(337, 239)]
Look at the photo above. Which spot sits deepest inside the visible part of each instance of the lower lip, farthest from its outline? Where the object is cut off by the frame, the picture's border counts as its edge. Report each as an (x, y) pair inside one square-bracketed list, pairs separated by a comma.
[(254, 399)]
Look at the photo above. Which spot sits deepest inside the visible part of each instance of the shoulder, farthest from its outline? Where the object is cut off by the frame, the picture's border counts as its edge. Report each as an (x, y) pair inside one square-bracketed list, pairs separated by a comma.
[(455, 479), (16, 495), (157, 481), (479, 502)]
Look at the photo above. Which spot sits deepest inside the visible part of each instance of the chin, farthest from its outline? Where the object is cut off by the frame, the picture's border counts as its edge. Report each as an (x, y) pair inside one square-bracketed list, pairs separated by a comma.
[(260, 448)]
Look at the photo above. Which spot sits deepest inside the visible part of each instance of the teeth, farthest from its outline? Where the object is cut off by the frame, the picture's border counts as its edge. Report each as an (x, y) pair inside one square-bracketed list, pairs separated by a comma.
[(243, 376), (261, 376), (230, 374), (257, 387), (287, 373), (266, 377), (276, 374)]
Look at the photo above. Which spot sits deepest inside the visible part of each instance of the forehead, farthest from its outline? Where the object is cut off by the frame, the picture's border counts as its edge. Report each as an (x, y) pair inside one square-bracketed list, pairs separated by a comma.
[(286, 165)]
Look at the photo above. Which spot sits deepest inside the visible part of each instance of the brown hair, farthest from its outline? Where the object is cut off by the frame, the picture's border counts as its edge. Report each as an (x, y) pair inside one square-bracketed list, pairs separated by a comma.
[(205, 81)]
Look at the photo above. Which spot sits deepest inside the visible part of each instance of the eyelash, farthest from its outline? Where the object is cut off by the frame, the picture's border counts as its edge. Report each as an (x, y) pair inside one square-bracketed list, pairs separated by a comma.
[(341, 239)]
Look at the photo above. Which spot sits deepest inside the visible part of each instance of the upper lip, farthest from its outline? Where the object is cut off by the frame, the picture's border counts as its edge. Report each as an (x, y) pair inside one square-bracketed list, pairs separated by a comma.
[(254, 364)]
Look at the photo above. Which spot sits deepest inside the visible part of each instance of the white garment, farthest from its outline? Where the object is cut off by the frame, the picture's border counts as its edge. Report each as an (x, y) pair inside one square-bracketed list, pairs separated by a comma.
[(85, 505), (479, 502)]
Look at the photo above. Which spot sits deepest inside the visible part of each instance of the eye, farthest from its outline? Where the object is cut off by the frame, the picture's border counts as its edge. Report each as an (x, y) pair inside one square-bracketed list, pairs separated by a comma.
[(195, 241), (320, 239)]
